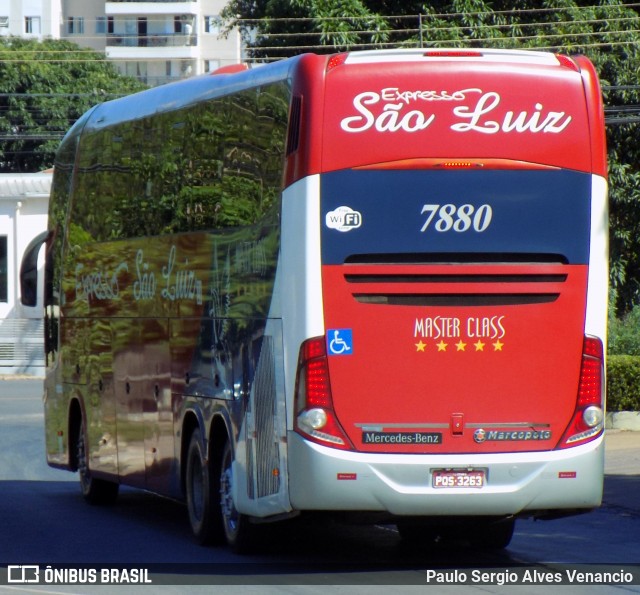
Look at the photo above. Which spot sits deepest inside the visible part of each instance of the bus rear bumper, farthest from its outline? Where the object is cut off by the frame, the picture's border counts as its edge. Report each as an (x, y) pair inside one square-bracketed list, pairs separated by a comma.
[(322, 478)]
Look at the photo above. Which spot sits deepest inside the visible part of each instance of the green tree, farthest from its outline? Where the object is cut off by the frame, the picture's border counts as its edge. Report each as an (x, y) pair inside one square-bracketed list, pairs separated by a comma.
[(281, 28), (44, 88), (605, 31)]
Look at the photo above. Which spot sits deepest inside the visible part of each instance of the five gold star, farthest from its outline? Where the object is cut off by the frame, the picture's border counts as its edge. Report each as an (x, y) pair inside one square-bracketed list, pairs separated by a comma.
[(460, 345)]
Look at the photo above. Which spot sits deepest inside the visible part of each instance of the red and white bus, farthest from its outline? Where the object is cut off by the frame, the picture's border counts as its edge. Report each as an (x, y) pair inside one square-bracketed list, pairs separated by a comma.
[(367, 282)]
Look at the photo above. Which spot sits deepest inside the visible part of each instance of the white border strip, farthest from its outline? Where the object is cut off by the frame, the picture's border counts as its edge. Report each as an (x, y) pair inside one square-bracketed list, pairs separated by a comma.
[(432, 54), (598, 282)]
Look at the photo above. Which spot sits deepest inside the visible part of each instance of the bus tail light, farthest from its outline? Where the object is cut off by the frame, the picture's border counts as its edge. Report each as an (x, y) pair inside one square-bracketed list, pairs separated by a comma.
[(453, 54), (336, 60), (588, 417), (315, 418), (567, 62)]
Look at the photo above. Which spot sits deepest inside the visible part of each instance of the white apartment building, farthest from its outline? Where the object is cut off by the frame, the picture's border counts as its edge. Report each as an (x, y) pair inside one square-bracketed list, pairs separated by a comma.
[(30, 18), (162, 41), (156, 41)]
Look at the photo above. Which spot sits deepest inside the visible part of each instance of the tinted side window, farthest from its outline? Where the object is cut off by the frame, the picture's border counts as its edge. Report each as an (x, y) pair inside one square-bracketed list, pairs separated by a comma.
[(58, 209), (214, 165)]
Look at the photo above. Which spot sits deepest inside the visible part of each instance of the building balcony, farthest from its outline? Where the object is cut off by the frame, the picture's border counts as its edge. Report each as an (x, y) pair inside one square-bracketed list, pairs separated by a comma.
[(148, 53), (170, 40), (129, 7)]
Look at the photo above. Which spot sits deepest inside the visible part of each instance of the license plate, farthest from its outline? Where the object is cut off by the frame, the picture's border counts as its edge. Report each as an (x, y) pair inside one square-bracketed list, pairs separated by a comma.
[(446, 478)]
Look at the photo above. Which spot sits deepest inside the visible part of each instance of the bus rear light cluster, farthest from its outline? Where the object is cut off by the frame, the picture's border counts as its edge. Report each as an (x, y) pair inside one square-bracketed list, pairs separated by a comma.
[(588, 417), (567, 62), (315, 418), (453, 54), (336, 60)]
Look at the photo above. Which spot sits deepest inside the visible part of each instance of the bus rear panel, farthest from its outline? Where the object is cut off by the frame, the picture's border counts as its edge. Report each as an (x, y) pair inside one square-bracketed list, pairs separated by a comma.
[(458, 364)]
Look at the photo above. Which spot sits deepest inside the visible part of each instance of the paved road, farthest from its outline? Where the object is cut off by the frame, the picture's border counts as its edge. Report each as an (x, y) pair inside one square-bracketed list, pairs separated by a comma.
[(622, 453)]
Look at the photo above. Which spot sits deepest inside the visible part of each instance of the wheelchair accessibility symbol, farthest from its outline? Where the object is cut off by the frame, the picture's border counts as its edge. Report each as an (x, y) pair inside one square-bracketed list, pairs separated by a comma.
[(340, 341)]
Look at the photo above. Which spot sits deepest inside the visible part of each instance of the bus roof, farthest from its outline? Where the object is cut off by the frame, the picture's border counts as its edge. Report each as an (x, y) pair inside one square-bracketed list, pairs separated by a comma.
[(184, 93), (411, 106), (451, 54), (384, 106)]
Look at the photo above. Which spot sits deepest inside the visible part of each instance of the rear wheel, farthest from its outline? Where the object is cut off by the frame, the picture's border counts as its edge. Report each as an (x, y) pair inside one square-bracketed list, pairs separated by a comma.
[(203, 494), (240, 533), (94, 490)]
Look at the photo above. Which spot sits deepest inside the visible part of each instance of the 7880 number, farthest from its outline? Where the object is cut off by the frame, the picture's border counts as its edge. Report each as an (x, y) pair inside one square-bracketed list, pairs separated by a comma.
[(457, 218)]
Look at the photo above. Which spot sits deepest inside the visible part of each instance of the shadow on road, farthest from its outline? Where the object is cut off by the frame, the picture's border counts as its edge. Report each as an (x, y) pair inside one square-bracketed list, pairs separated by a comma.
[(623, 492), (49, 523)]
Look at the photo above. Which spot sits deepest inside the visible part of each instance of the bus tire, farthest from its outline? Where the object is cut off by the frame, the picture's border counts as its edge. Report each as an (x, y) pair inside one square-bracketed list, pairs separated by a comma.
[(238, 530), (203, 494), (94, 490)]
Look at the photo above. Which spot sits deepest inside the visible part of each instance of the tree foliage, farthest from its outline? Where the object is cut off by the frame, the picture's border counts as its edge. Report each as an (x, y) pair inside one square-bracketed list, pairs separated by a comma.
[(605, 31), (283, 28), (44, 88)]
